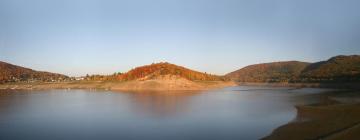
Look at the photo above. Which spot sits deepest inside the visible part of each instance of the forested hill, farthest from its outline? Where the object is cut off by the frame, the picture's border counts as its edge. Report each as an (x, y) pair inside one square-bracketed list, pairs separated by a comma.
[(269, 72), (336, 69), (13, 73), (159, 69)]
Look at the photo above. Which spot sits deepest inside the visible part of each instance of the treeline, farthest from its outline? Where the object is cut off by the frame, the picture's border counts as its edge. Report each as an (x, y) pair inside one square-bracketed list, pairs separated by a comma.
[(96, 77), (336, 69)]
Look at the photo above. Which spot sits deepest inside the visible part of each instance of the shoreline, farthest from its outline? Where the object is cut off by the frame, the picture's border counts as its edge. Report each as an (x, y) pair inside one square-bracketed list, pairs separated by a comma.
[(304, 85), (154, 85), (160, 85), (335, 117)]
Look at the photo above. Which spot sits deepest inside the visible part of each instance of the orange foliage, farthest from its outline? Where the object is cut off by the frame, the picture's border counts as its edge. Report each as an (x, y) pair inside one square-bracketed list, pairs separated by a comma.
[(157, 69)]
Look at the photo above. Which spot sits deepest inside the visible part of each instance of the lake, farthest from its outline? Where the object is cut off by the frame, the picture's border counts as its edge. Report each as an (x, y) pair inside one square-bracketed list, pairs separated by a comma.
[(242, 112)]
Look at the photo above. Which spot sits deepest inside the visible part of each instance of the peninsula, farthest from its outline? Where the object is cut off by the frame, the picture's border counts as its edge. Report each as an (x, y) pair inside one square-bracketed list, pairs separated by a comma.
[(157, 76)]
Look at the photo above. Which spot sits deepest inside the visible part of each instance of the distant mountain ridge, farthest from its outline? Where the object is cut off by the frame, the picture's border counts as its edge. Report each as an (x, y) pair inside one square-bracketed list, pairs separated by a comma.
[(13, 73), (336, 69)]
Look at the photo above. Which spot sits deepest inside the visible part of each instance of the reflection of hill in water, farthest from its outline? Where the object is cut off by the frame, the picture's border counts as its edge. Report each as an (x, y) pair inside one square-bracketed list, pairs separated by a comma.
[(161, 103)]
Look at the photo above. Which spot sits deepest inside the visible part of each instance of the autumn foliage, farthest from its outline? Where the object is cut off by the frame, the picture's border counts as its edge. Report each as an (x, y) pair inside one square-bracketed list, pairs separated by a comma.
[(269, 72), (158, 69), (336, 69)]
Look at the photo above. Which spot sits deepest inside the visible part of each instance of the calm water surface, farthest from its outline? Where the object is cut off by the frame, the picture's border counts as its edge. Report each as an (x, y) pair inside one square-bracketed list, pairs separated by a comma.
[(226, 114)]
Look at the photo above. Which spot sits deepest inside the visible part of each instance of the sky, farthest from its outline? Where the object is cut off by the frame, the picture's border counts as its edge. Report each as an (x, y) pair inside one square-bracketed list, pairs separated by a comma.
[(79, 37)]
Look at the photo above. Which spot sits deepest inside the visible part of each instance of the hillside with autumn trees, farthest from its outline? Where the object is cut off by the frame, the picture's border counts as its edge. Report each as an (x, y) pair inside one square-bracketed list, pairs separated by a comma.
[(336, 69), (269, 72), (13, 73), (164, 68)]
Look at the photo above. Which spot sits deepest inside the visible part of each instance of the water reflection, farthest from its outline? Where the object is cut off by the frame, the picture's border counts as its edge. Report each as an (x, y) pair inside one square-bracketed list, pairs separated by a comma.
[(226, 114), (161, 103)]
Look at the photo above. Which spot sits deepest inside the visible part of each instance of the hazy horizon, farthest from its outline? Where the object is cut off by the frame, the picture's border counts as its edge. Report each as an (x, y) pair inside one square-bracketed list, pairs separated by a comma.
[(79, 37)]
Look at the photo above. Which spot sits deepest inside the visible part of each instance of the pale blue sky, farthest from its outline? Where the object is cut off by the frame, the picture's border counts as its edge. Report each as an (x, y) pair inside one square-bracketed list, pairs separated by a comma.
[(76, 37)]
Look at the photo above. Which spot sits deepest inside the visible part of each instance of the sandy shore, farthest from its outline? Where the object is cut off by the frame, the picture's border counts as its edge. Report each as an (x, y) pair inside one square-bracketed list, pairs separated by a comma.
[(337, 117), (154, 84)]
